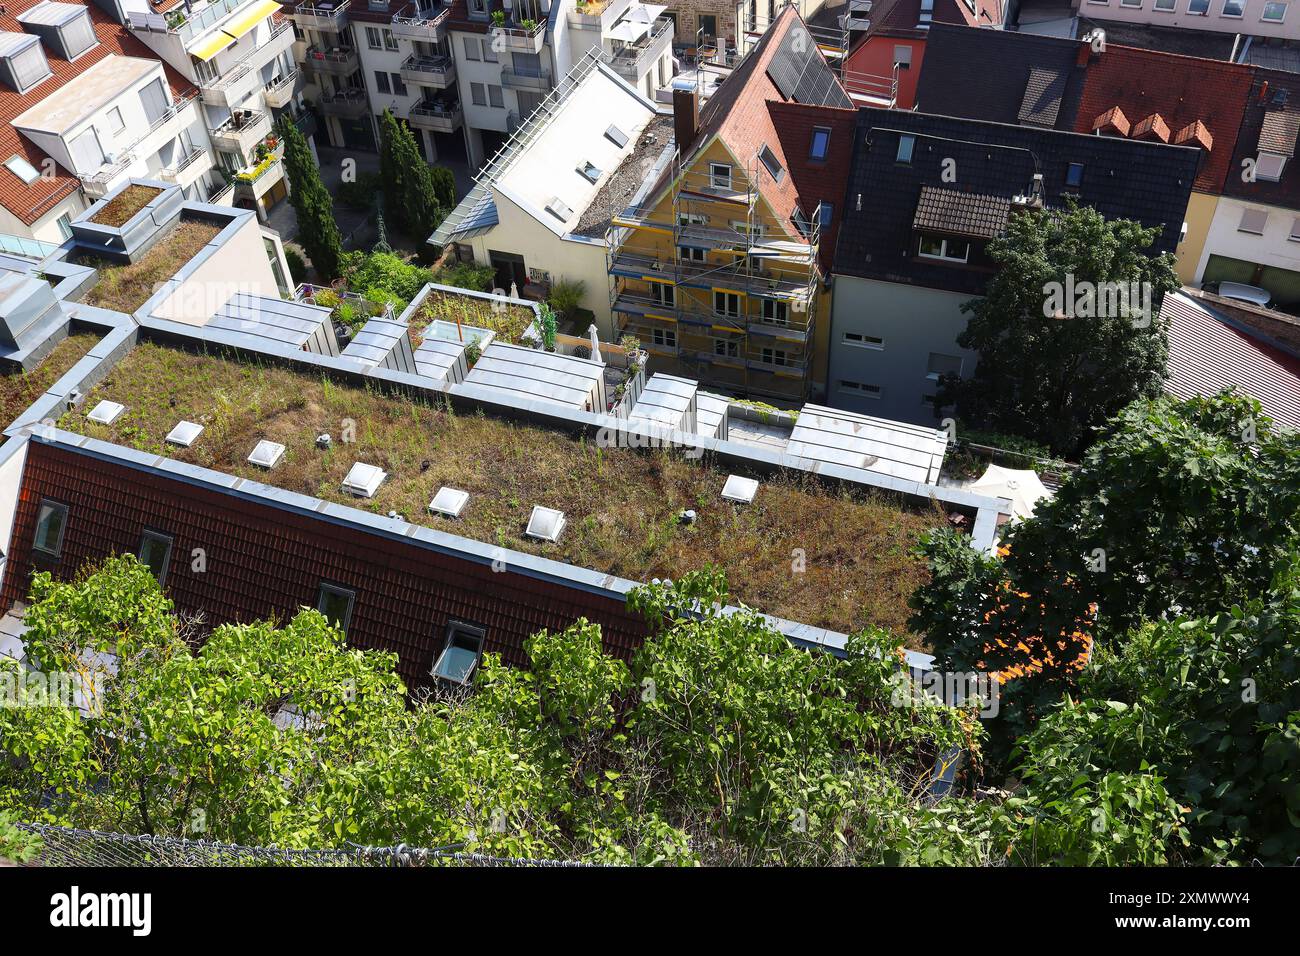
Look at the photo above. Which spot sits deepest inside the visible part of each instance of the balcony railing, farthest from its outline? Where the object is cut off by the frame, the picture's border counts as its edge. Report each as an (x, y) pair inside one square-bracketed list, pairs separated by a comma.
[(341, 61), (539, 79), (242, 131), (227, 89), (436, 71), (442, 119), (350, 104), (634, 60), (97, 183), (190, 24), (279, 92), (516, 36), (427, 23), (322, 16), (173, 172)]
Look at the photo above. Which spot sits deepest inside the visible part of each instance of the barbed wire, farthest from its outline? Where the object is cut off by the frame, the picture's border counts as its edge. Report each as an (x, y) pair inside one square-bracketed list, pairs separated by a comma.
[(68, 846)]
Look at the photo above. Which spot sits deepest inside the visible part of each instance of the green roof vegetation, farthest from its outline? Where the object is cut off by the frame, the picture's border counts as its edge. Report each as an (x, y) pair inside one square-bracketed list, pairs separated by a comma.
[(126, 287)]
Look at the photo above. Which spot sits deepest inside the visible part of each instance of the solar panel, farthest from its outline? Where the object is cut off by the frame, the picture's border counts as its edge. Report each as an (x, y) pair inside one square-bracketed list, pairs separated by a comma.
[(804, 76)]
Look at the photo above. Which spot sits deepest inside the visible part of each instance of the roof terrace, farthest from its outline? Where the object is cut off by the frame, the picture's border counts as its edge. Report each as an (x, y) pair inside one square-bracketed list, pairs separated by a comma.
[(834, 557)]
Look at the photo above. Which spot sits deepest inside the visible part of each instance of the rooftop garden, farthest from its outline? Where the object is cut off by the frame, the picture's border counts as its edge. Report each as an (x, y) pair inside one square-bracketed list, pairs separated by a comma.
[(507, 321), (124, 287), (119, 210), (20, 389), (836, 559)]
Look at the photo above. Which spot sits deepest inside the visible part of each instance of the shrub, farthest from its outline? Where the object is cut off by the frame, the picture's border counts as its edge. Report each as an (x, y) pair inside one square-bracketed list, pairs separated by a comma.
[(297, 266)]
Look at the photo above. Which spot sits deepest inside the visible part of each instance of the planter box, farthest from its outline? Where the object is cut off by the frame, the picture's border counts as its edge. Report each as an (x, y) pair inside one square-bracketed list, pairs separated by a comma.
[(125, 243)]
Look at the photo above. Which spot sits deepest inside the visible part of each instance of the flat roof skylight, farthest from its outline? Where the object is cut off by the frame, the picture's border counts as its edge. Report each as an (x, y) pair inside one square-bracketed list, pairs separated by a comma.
[(267, 454), (545, 524), (364, 480), (589, 171), (557, 208), (184, 434), (106, 412), (616, 136), (449, 502), (740, 489)]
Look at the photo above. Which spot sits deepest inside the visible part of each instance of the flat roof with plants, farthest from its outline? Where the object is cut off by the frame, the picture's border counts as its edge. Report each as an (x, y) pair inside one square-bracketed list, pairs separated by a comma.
[(508, 321), (18, 389), (124, 287), (119, 210), (833, 558)]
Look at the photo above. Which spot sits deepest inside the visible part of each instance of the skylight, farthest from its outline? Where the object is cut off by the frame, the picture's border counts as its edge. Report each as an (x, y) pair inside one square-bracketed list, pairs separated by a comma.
[(184, 434), (771, 163), (105, 413), (588, 172), (22, 169), (557, 208), (616, 136), (906, 143), (545, 524), (1074, 175), (364, 480), (738, 489), (449, 502), (267, 454)]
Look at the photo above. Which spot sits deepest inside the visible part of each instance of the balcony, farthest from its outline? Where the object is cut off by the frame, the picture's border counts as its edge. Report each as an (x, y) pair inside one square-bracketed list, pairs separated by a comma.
[(330, 17), (243, 77), (187, 24), (634, 60), (417, 22), (278, 93), (306, 123), (244, 130), (516, 36), (597, 14), (536, 80), (187, 169), (255, 181), (855, 18), (337, 61), (437, 72), (439, 119), (350, 104)]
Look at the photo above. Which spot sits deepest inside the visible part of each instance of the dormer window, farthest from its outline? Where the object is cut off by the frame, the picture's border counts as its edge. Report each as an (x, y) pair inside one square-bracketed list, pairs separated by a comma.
[(65, 27), (22, 61), (945, 248)]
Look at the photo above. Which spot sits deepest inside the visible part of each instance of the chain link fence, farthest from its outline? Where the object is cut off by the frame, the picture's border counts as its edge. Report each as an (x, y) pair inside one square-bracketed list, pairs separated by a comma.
[(64, 846)]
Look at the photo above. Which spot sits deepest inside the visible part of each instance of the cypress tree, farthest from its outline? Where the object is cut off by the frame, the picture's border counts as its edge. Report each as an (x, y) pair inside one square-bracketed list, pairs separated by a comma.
[(410, 197), (318, 233)]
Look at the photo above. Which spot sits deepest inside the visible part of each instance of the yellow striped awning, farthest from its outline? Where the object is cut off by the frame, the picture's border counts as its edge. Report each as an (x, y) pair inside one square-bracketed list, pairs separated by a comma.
[(212, 45), (234, 28)]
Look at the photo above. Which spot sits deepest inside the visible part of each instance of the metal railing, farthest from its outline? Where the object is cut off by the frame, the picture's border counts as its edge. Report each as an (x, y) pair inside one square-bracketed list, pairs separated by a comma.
[(436, 65), (629, 59), (240, 68), (188, 25)]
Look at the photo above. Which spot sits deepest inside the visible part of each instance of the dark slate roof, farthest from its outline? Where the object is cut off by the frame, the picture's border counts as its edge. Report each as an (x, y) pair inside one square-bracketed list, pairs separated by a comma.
[(963, 214), (1270, 91), (1149, 182), (1022, 78)]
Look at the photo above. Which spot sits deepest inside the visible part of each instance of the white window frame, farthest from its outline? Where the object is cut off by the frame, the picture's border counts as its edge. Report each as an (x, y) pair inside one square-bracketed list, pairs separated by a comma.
[(861, 340), (1265, 18), (730, 302), (460, 630), (663, 338), (860, 388), (1171, 6), (771, 355), (661, 293), (943, 255), (776, 312), (1223, 11), (726, 348), (691, 254), (717, 179)]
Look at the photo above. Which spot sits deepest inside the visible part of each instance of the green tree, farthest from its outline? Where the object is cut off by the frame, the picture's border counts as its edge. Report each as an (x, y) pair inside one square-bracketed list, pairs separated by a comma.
[(411, 201), (1053, 366), (318, 233), (444, 186)]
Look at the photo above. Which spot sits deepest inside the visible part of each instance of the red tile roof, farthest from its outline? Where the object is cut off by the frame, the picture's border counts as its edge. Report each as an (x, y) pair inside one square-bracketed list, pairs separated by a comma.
[(816, 182), (261, 561), (1182, 89), (1207, 355), (29, 203)]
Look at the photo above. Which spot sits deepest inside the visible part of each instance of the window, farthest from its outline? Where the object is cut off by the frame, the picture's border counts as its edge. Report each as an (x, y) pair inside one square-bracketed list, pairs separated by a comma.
[(709, 25), (494, 96), (719, 175), (663, 294), (727, 348), (940, 365), (952, 250), (691, 219), (489, 54), (470, 45), (51, 520), (771, 163), (906, 143), (1253, 221), (460, 654), (115, 121), (821, 141), (28, 65), (1269, 166), (726, 304), (65, 226), (1130, 3), (826, 211), (1198, 8), (773, 356), (665, 338), (801, 222), (745, 228), (373, 39), (1074, 175), (588, 171), (381, 81), (1274, 12), (860, 388), (1234, 8), (390, 41), (863, 341), (22, 169), (398, 86), (903, 56), (616, 136), (776, 313), (336, 604), (477, 94), (156, 553), (690, 254), (1166, 6)]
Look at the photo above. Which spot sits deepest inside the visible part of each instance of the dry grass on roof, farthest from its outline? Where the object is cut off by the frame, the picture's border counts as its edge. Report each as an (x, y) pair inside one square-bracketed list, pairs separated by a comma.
[(124, 205), (19, 389), (124, 288), (622, 505), (507, 321)]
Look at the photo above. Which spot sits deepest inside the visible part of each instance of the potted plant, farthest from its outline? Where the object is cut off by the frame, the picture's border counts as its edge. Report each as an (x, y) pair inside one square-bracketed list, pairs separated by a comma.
[(498, 18)]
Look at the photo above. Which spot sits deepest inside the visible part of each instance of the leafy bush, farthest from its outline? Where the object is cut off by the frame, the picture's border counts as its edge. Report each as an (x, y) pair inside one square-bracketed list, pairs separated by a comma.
[(297, 266), (566, 296), (466, 275)]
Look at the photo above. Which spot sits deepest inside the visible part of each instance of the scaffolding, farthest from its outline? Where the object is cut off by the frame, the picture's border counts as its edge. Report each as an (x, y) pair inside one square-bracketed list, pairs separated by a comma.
[(723, 274)]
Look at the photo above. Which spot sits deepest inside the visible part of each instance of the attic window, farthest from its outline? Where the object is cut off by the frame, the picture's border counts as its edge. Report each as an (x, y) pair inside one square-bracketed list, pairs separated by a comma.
[(23, 64), (616, 136), (1269, 166), (821, 141), (588, 172), (557, 208), (460, 655), (771, 163), (336, 604), (926, 14), (906, 144), (1074, 175), (801, 222), (22, 169)]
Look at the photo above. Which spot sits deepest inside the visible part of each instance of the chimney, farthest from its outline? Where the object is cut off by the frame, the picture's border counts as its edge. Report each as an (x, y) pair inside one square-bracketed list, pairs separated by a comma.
[(686, 118)]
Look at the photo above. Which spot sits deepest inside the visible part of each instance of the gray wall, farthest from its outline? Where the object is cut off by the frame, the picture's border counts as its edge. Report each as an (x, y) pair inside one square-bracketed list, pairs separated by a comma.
[(913, 321)]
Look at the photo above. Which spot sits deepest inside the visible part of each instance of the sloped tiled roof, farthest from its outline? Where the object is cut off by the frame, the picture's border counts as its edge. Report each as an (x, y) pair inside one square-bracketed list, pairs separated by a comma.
[(962, 214), (1208, 355), (816, 182), (1272, 90), (29, 203), (1121, 179), (1181, 89), (1022, 78), (1279, 130)]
